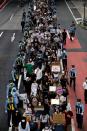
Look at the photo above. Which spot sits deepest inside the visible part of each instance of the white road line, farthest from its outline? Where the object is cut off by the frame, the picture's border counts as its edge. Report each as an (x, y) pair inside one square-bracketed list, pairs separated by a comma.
[(11, 17), (1, 34), (13, 37), (71, 11), (78, 18), (68, 34), (4, 5), (19, 81), (72, 120), (74, 7)]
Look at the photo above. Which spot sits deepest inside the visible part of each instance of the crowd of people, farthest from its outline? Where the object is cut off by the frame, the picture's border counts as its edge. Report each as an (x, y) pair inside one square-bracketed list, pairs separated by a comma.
[(42, 63)]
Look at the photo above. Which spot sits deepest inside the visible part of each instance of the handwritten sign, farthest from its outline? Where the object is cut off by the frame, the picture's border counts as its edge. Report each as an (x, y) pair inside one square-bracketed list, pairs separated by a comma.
[(55, 68)]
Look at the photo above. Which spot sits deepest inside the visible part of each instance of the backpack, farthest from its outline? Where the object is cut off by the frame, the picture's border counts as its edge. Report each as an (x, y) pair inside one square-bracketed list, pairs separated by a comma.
[(64, 55), (72, 74), (78, 109)]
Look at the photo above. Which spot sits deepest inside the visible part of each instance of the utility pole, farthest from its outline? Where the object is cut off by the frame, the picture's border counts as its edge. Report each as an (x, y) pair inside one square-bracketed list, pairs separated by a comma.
[(84, 18), (84, 9)]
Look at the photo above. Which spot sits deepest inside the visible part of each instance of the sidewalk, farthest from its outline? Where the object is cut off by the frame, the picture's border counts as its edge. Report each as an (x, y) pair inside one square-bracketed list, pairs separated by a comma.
[(81, 65)]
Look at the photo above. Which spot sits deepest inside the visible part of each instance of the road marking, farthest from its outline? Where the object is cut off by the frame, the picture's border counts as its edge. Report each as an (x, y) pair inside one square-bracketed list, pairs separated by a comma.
[(78, 18), (71, 11), (13, 37), (68, 34), (1, 34), (4, 5), (11, 17), (19, 81)]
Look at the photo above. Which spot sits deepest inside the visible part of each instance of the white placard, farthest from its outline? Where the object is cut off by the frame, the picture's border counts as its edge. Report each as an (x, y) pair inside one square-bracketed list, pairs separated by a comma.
[(54, 101), (52, 88), (23, 96), (34, 7), (55, 68)]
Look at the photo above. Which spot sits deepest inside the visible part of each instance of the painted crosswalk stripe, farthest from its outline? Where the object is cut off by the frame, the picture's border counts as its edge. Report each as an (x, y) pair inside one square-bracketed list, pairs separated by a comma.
[(13, 37), (1, 34)]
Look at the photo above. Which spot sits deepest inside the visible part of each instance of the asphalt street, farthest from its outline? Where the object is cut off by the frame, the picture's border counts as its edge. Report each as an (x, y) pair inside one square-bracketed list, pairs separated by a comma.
[(65, 19), (10, 35), (11, 15)]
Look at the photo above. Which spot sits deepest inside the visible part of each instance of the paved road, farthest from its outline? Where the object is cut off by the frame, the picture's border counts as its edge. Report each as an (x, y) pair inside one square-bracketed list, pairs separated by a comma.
[(65, 21), (10, 35), (10, 17), (77, 55)]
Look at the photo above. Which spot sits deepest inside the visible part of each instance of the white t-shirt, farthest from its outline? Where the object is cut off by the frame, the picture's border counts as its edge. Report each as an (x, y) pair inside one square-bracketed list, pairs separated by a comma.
[(38, 73), (44, 118), (85, 85), (47, 129), (26, 129)]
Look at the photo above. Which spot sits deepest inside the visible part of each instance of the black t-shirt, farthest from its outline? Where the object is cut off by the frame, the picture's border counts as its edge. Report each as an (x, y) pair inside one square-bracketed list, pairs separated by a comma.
[(64, 34)]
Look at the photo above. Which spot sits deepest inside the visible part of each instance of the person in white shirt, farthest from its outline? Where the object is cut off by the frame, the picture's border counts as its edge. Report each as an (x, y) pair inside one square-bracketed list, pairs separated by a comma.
[(23, 125), (38, 73), (34, 87), (85, 90), (47, 129)]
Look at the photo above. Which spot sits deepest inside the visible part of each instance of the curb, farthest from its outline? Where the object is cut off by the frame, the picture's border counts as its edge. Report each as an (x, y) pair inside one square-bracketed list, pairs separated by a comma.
[(5, 2), (82, 26)]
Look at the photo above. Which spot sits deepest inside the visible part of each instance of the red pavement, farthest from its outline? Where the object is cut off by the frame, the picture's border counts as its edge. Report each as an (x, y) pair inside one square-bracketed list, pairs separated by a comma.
[(73, 44), (78, 59)]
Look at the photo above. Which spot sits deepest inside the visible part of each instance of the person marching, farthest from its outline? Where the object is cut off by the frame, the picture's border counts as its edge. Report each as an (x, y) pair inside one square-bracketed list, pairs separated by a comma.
[(72, 31), (72, 75), (10, 109), (64, 34), (79, 113), (85, 90)]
